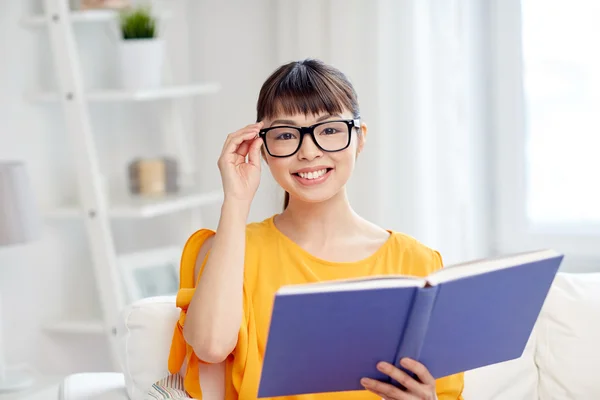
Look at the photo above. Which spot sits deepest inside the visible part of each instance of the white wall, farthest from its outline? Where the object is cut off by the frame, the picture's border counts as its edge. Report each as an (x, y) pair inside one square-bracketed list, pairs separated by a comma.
[(234, 43), (53, 278)]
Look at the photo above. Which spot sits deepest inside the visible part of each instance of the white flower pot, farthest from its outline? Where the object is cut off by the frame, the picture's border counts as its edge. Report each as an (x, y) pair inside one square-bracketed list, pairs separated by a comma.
[(141, 62)]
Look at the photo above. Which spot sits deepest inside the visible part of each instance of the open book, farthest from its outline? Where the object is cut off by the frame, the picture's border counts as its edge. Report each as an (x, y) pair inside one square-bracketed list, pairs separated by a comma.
[(326, 336)]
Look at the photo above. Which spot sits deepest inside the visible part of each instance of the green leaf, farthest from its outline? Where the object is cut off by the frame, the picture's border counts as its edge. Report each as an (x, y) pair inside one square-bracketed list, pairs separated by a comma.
[(138, 23)]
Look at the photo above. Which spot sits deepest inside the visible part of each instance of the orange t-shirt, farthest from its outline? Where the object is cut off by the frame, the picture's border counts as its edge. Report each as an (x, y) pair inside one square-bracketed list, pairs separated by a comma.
[(281, 261)]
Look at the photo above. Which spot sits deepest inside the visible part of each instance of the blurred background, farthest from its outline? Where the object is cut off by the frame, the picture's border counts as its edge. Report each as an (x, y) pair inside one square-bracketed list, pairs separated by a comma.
[(483, 139)]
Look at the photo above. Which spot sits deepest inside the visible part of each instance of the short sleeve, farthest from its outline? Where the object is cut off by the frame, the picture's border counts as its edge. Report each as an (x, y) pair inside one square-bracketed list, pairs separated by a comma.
[(438, 261), (180, 350)]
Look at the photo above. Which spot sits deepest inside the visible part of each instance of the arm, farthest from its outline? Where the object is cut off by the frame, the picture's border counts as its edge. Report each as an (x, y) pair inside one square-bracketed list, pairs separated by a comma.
[(215, 312)]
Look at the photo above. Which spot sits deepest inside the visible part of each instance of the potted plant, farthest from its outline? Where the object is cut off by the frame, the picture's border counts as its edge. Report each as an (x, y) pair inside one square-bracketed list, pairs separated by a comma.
[(141, 50)]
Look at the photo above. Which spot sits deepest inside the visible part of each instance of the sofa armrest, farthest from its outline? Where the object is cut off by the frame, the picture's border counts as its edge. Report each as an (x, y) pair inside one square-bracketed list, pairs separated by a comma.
[(93, 386)]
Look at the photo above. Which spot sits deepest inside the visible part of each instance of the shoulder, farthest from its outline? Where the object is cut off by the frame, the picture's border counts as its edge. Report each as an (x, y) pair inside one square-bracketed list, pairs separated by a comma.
[(260, 230), (261, 240), (415, 256), (203, 237), (199, 244)]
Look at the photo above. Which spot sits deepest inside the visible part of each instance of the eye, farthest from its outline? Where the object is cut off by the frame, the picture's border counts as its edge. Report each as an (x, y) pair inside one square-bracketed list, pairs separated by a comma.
[(285, 136), (329, 131)]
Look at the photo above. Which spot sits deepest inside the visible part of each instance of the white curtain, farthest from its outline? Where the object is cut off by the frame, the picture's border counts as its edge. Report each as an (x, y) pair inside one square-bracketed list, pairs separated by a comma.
[(418, 67)]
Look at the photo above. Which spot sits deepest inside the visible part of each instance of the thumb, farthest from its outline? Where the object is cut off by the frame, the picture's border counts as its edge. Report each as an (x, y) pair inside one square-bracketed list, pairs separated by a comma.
[(254, 152)]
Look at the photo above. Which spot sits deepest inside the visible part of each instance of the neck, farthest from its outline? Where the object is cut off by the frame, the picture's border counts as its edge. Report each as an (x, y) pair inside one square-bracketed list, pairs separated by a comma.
[(319, 221)]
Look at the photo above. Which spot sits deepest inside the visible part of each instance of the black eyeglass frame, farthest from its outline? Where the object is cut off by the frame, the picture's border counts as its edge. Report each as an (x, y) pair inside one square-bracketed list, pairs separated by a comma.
[(310, 130)]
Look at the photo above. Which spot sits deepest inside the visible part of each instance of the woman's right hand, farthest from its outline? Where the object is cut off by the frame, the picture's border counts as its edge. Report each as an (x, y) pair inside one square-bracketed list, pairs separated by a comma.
[(240, 178)]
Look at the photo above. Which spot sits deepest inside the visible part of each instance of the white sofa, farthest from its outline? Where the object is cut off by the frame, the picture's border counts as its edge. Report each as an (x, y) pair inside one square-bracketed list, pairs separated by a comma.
[(560, 362)]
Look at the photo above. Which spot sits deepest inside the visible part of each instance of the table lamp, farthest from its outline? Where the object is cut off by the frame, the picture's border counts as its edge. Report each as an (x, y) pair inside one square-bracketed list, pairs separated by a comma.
[(19, 224)]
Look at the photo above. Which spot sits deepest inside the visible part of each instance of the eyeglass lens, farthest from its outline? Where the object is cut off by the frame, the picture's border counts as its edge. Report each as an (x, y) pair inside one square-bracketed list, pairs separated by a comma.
[(331, 136)]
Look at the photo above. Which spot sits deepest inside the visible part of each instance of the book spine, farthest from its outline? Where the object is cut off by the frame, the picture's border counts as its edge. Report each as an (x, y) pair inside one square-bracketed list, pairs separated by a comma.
[(412, 340)]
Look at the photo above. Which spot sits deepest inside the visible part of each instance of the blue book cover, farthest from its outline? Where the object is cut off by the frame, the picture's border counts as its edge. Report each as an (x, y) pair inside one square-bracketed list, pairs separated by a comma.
[(324, 337)]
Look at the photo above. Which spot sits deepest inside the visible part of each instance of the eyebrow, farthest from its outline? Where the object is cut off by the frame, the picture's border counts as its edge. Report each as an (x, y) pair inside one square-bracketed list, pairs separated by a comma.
[(290, 122)]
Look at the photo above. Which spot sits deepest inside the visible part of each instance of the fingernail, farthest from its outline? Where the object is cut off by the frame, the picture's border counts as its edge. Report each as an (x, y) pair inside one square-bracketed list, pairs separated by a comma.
[(405, 362), (365, 381), (381, 366)]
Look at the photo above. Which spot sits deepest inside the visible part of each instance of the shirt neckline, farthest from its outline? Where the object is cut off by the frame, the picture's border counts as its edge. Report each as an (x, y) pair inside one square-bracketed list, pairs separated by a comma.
[(307, 254)]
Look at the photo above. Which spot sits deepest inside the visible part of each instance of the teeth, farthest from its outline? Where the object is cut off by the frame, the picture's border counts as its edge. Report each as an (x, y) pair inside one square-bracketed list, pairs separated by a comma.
[(312, 174)]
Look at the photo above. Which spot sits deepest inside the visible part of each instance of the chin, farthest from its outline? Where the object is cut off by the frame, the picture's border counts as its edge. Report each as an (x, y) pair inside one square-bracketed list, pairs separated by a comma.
[(314, 195), (313, 199)]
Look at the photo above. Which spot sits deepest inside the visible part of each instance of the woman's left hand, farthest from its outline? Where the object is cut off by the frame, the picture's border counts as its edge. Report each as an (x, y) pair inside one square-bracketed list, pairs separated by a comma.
[(422, 389)]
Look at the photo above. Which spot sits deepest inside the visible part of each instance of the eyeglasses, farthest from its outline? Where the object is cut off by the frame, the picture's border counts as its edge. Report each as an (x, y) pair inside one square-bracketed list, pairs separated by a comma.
[(329, 136)]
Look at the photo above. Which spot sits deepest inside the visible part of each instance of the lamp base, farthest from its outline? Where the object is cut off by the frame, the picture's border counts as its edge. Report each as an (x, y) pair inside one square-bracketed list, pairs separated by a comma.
[(15, 380)]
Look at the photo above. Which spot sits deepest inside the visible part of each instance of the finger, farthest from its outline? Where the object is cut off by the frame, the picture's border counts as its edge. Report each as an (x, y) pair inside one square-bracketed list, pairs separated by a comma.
[(244, 131), (385, 390), (234, 140), (254, 125), (419, 369), (257, 126), (241, 133), (243, 148), (254, 152), (401, 377)]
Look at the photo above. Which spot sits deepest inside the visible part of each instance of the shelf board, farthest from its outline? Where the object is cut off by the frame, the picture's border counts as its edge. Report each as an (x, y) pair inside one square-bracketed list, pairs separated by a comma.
[(81, 16), (115, 95), (81, 326), (147, 207)]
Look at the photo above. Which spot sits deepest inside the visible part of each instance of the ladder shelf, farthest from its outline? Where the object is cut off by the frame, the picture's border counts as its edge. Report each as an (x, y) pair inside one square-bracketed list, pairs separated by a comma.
[(96, 208)]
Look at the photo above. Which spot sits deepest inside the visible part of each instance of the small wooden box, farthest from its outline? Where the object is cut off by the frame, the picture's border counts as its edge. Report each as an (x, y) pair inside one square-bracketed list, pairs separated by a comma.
[(153, 176)]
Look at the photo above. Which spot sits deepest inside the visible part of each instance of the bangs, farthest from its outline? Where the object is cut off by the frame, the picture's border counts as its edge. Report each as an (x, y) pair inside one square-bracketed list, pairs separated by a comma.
[(303, 89)]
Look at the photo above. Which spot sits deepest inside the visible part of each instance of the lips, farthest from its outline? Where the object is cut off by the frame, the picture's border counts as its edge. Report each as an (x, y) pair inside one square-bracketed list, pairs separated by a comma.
[(312, 176)]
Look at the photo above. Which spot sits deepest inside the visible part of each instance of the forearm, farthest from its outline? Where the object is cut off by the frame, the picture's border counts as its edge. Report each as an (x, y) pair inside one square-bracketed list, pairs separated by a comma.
[(215, 312)]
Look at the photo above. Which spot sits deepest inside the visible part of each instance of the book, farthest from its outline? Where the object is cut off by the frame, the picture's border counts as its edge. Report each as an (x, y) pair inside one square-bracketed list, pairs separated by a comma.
[(324, 337)]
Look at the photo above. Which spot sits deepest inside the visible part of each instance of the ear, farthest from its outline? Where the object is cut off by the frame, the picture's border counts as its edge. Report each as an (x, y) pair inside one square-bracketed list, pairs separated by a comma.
[(362, 138)]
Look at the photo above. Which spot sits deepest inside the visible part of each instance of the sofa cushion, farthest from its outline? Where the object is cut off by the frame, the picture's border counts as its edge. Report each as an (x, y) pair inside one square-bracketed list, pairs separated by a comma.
[(144, 337), (568, 347), (93, 386), (514, 379)]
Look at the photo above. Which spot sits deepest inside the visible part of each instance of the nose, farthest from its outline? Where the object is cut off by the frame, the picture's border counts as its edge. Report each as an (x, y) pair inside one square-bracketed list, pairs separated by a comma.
[(309, 149)]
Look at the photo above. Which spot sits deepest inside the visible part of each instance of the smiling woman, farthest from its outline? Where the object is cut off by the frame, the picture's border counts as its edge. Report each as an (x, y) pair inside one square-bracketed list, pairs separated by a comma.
[(309, 134)]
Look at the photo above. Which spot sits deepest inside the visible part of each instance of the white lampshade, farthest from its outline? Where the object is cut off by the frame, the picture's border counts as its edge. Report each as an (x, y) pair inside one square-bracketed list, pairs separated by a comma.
[(19, 219)]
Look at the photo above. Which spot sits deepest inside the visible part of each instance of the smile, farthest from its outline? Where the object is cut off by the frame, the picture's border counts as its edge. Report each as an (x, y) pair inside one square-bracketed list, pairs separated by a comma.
[(313, 177)]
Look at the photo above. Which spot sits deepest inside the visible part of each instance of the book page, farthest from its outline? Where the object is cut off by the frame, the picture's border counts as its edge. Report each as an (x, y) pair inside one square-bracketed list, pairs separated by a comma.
[(353, 284), (476, 267)]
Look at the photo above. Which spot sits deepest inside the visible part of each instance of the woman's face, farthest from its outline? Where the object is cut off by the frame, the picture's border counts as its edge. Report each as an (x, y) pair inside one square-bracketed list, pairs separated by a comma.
[(311, 174)]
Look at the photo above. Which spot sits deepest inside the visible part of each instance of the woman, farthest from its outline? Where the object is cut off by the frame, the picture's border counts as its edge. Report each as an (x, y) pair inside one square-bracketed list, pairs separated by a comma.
[(310, 135)]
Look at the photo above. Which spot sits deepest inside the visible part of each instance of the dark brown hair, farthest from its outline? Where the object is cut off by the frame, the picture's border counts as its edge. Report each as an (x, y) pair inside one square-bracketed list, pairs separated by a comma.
[(306, 87)]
